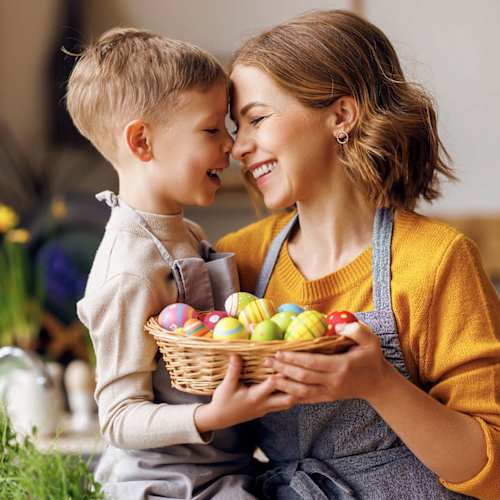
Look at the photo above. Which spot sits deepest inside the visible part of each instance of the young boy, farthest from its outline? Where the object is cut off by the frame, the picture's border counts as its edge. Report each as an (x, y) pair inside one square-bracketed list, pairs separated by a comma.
[(155, 108)]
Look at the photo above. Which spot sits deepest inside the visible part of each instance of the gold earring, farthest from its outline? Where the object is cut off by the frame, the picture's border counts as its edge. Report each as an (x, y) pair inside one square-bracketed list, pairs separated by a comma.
[(342, 137)]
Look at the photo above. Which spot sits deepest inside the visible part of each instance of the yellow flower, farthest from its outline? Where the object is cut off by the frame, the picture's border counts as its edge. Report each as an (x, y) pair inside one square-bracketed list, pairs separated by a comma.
[(18, 236), (8, 218), (58, 208)]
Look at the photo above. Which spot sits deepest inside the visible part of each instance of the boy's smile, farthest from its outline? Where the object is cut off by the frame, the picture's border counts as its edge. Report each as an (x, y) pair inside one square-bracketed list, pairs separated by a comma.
[(190, 150)]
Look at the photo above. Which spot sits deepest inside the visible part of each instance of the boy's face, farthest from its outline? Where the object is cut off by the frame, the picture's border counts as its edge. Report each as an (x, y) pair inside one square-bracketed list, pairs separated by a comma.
[(191, 150)]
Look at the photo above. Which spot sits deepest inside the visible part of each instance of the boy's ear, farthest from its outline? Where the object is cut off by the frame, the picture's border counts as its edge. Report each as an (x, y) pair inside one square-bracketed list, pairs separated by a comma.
[(138, 137), (343, 115)]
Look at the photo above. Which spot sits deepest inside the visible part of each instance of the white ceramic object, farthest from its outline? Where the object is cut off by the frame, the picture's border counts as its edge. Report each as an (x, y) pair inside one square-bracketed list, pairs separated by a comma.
[(80, 384), (30, 404)]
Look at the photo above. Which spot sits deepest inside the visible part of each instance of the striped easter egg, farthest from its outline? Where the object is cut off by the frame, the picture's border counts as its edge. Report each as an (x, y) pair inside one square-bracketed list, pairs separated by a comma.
[(306, 326), (175, 315), (230, 329), (195, 328), (257, 311), (236, 302)]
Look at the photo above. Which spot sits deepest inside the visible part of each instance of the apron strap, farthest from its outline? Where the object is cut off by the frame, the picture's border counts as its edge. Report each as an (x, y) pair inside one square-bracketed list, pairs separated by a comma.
[(112, 200), (272, 257), (381, 259)]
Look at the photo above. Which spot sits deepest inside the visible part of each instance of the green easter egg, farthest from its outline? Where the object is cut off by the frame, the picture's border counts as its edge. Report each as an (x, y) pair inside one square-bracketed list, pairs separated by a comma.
[(266, 330), (283, 320), (237, 301)]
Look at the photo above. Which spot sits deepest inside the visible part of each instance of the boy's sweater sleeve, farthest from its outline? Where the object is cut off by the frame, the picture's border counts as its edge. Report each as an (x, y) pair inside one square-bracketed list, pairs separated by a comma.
[(125, 362), (461, 354)]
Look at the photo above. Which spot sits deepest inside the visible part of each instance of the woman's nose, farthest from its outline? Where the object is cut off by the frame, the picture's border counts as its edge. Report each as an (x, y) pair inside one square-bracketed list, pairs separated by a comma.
[(241, 147)]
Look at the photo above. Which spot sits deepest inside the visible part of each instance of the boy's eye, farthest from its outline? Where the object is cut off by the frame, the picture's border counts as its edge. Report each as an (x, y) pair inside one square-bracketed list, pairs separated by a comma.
[(234, 131)]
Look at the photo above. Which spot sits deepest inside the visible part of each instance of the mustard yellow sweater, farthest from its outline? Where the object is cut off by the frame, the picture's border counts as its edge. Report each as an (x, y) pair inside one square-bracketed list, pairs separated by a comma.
[(447, 313)]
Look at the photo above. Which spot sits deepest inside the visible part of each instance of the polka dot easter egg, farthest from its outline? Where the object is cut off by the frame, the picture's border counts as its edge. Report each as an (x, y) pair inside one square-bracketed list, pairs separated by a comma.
[(257, 311), (211, 318), (230, 329), (236, 302), (306, 326), (336, 318), (175, 315), (195, 328), (291, 308)]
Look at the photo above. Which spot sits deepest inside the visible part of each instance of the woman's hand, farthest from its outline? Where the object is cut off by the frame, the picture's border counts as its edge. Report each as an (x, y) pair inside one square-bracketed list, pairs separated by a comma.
[(233, 403), (315, 378)]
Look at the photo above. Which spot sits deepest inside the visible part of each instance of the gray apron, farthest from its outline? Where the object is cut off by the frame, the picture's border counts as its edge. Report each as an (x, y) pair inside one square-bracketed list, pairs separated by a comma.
[(219, 470), (344, 449)]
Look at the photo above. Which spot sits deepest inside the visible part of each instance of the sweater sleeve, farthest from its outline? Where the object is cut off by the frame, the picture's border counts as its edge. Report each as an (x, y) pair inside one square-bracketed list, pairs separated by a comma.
[(461, 362), (125, 361)]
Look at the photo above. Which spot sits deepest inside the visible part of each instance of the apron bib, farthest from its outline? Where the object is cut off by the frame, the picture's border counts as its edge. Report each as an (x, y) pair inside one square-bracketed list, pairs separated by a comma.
[(344, 449), (218, 470)]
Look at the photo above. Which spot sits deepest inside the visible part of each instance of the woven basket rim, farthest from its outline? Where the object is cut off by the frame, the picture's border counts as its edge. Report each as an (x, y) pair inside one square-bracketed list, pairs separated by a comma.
[(216, 345)]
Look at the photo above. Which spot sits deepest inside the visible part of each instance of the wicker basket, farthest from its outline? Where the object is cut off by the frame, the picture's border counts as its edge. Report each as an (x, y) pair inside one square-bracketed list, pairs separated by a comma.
[(198, 365)]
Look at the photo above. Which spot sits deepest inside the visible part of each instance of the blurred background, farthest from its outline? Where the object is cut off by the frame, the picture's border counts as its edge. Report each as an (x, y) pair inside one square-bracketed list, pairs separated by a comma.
[(49, 174)]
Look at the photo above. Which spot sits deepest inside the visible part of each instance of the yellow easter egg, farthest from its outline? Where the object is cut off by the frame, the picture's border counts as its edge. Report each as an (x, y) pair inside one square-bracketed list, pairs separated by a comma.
[(230, 329), (257, 311), (306, 326)]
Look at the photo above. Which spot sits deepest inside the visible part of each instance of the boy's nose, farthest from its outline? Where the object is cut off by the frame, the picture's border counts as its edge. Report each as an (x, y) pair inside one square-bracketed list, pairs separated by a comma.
[(228, 143)]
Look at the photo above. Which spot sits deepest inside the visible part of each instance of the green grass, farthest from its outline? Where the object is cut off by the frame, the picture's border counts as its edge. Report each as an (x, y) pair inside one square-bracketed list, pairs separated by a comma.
[(26, 473)]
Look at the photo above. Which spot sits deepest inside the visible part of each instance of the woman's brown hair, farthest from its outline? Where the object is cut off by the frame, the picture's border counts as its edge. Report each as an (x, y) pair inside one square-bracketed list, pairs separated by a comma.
[(394, 152)]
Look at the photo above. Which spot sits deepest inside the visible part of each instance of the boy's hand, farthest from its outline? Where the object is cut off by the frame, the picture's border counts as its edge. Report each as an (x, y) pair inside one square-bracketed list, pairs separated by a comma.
[(233, 403)]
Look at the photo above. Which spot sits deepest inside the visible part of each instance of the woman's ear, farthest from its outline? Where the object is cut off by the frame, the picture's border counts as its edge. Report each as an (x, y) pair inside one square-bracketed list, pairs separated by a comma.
[(138, 137), (343, 115)]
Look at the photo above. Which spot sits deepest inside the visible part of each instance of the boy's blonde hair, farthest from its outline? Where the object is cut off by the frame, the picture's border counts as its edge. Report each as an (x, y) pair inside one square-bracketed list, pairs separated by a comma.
[(130, 74), (394, 153)]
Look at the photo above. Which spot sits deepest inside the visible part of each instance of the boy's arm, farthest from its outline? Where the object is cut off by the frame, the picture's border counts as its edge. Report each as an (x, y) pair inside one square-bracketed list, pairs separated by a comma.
[(125, 362)]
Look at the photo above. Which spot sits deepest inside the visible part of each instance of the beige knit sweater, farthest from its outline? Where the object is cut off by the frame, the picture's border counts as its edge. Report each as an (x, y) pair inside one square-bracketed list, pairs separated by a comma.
[(128, 284)]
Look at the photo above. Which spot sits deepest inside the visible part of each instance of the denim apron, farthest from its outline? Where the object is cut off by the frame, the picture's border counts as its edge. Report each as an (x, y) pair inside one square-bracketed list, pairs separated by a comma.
[(218, 470), (344, 449)]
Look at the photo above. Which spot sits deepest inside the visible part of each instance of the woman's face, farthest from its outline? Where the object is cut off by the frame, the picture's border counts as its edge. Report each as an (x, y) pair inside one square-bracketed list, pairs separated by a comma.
[(288, 148)]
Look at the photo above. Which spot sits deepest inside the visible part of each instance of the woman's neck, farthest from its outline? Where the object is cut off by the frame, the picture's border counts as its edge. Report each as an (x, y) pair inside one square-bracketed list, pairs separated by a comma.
[(333, 231)]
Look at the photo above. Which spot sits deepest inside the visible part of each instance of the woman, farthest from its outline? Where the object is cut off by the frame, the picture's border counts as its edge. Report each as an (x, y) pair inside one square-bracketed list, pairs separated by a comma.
[(328, 124)]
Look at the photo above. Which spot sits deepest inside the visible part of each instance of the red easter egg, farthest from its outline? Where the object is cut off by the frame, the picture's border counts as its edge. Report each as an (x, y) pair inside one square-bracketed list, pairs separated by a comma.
[(337, 318), (211, 318)]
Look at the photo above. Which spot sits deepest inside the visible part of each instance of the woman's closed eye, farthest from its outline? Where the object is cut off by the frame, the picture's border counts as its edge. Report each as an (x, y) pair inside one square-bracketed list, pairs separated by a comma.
[(212, 130), (255, 121)]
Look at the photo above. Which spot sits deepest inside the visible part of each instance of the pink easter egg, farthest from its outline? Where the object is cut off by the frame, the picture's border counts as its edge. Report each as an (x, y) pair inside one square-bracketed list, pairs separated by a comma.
[(175, 315), (211, 318)]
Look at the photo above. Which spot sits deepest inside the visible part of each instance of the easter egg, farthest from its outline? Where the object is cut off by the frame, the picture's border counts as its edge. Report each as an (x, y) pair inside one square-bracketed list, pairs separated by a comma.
[(236, 302), (257, 311), (306, 326), (336, 318), (211, 318), (283, 320), (230, 329), (291, 308), (195, 328), (176, 315), (266, 330)]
